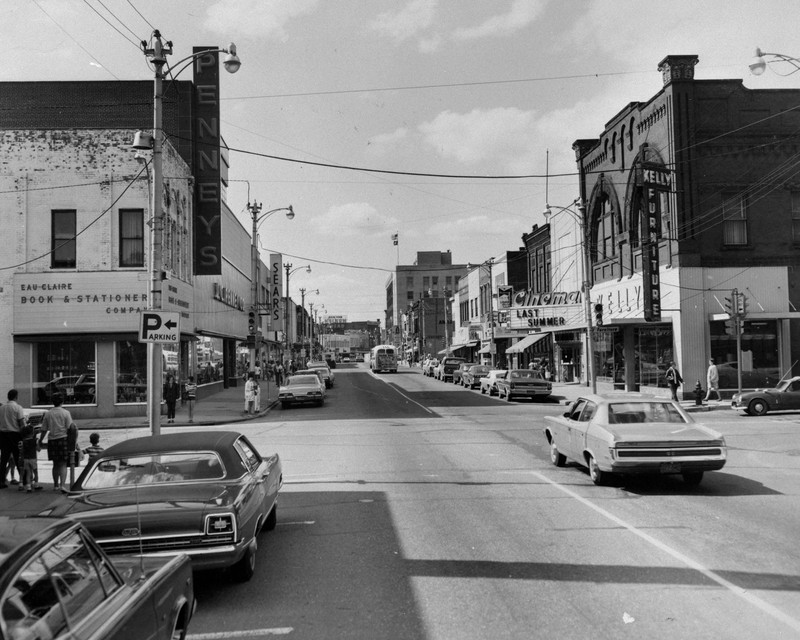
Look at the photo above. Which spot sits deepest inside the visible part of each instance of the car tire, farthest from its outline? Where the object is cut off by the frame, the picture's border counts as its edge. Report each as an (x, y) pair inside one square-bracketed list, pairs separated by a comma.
[(757, 407), (246, 567), (483, 391), (272, 519), (285, 405), (508, 396), (598, 477), (556, 457), (693, 478)]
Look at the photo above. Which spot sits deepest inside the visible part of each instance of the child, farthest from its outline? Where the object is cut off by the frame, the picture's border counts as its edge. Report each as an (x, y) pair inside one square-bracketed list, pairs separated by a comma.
[(94, 449), (190, 390), (29, 472)]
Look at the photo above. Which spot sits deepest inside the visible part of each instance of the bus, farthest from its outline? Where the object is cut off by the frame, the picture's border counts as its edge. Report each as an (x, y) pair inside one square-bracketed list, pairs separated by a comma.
[(383, 358)]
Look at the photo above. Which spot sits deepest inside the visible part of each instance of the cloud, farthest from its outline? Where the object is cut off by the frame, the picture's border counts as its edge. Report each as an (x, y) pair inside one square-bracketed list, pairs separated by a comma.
[(501, 135), (384, 141), (354, 219), (401, 25), (520, 15), (256, 18)]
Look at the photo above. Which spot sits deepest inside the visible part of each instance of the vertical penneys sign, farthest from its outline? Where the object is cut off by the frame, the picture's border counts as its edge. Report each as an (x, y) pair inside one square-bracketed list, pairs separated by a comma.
[(655, 179), (208, 197)]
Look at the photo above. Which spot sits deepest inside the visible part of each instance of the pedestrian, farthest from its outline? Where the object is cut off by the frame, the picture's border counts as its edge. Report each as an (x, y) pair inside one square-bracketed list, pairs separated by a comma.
[(250, 393), (171, 393), (279, 374), (258, 371), (12, 419), (29, 450), (190, 390), (57, 425), (674, 380), (94, 449), (712, 380)]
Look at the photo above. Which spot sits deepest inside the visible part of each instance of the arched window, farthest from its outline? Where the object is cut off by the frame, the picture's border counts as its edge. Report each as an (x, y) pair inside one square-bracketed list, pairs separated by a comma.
[(604, 215)]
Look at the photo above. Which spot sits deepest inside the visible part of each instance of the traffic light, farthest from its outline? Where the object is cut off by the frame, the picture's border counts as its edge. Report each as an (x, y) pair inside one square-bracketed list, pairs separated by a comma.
[(598, 315), (730, 327), (252, 321), (741, 305), (732, 304)]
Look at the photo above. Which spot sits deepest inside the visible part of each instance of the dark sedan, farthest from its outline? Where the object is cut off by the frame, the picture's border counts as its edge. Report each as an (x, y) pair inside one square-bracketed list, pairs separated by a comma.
[(55, 582), (471, 378), (203, 493), (784, 397)]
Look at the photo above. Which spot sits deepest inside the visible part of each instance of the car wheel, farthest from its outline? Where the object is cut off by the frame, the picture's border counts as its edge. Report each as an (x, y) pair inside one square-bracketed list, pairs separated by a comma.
[(285, 405), (693, 479), (483, 391), (179, 626), (556, 457), (508, 396), (757, 407), (272, 519), (246, 567), (597, 476)]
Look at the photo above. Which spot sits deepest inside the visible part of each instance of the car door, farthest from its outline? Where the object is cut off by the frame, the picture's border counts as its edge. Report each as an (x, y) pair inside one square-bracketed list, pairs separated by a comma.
[(790, 399), (581, 428), (565, 438), (253, 488)]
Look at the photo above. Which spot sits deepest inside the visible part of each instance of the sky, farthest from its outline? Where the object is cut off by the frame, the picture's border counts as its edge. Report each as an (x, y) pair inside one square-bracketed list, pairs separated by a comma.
[(447, 122)]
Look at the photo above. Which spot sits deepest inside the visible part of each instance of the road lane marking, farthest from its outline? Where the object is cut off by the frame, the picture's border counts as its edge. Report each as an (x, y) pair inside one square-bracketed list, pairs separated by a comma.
[(247, 633), (397, 390), (708, 573)]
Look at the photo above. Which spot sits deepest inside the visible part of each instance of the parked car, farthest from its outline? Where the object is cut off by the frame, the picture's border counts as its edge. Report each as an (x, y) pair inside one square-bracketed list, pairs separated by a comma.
[(328, 377), (309, 372), (75, 389), (471, 378), (360, 357), (784, 397), (523, 383), (204, 493), (56, 582), (447, 365), (459, 371), (627, 435), (488, 383), (301, 389), (428, 366)]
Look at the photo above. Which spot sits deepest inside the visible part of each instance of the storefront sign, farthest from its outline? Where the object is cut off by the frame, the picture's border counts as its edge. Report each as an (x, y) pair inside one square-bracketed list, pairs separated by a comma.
[(655, 179), (505, 295), (545, 317), (78, 302), (227, 296), (275, 290), (207, 218), (529, 299)]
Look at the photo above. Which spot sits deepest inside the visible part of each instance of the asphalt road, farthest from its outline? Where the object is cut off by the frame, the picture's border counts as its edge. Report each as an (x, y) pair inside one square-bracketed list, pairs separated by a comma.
[(415, 509)]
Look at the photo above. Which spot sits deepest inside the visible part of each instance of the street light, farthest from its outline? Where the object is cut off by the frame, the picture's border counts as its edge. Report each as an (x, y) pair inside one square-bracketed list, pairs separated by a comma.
[(760, 62), (580, 217), (157, 55), (258, 217), (303, 314), (289, 271)]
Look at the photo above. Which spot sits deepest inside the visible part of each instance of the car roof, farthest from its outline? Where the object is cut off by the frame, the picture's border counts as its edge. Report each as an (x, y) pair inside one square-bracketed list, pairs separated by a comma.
[(196, 440), (17, 531)]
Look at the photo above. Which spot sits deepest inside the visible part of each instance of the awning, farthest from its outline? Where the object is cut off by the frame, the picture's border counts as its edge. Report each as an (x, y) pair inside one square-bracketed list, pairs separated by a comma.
[(526, 342), (465, 345), (486, 349)]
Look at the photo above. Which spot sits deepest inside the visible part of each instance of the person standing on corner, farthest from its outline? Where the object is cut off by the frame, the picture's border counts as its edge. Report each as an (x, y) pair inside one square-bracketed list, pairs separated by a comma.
[(190, 389), (56, 424), (171, 393), (250, 391), (12, 420), (674, 380), (712, 379)]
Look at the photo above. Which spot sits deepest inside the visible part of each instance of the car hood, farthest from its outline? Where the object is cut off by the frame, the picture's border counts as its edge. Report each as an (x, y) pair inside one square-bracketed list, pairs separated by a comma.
[(661, 432), (160, 509)]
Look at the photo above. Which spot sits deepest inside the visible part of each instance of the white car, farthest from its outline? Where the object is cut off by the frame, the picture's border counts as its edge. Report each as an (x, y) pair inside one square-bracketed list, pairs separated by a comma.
[(489, 382)]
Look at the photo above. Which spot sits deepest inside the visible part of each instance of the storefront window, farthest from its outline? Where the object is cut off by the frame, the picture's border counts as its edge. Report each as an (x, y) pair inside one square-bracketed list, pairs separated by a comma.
[(67, 368), (759, 355), (209, 360), (654, 351), (608, 360), (131, 374)]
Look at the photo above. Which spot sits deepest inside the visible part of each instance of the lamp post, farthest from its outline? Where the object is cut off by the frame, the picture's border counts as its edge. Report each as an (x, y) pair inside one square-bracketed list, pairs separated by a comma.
[(255, 263), (763, 58), (289, 271), (157, 56), (580, 218)]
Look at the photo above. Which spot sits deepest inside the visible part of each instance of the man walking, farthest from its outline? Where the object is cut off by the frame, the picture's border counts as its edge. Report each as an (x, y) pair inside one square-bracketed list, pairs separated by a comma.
[(674, 380), (12, 419), (712, 380)]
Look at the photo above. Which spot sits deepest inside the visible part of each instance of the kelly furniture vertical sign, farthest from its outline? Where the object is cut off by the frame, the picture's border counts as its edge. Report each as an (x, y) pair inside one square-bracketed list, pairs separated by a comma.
[(208, 199), (655, 179)]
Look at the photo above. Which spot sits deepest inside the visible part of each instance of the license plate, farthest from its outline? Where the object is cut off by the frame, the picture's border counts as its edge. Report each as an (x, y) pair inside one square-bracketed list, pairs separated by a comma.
[(70, 391), (670, 467)]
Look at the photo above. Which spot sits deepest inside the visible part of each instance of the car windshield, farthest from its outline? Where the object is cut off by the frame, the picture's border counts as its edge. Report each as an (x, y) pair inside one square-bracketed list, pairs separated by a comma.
[(151, 469), (643, 412), (526, 375), (295, 381)]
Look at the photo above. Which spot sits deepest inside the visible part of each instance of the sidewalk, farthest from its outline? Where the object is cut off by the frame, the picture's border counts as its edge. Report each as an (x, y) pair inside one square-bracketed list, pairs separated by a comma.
[(568, 392)]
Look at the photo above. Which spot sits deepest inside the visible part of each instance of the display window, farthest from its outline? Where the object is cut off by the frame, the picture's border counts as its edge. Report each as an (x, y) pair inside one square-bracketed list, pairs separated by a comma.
[(131, 369), (66, 367), (654, 352), (759, 356), (209, 360)]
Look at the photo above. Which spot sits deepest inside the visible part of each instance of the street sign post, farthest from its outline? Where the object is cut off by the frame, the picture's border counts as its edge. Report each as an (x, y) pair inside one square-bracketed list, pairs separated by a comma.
[(161, 327)]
